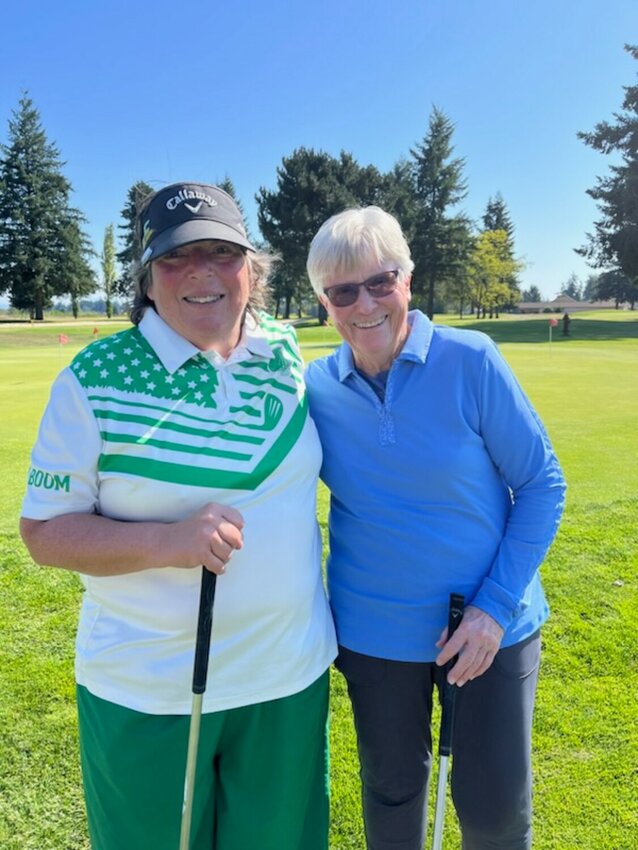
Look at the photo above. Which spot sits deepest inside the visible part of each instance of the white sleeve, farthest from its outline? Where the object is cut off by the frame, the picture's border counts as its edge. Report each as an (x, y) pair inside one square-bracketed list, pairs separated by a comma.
[(63, 476)]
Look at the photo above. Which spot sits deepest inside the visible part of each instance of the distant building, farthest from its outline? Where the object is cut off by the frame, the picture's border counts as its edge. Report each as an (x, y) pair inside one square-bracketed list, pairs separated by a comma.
[(563, 304)]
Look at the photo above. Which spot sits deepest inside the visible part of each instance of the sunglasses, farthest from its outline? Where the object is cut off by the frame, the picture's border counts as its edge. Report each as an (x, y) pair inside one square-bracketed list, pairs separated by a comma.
[(379, 285)]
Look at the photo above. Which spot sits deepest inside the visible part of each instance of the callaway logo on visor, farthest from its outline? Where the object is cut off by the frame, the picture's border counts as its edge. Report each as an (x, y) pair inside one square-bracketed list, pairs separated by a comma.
[(184, 195), (189, 212)]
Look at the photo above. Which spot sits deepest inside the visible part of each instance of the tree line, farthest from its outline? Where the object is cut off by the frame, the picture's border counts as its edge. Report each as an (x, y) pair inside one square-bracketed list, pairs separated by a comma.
[(459, 264)]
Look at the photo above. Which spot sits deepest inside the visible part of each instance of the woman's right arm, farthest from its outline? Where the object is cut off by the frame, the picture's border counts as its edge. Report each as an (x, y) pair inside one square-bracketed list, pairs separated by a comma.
[(99, 546)]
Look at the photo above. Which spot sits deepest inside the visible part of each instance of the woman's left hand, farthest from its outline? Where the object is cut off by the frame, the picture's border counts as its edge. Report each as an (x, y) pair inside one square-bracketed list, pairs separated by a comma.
[(476, 641)]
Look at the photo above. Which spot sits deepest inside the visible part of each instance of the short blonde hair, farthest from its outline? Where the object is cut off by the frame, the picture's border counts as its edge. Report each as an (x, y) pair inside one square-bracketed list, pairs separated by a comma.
[(352, 238)]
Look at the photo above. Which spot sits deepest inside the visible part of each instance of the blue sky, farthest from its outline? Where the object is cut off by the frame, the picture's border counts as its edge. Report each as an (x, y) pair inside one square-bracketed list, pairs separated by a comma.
[(165, 91)]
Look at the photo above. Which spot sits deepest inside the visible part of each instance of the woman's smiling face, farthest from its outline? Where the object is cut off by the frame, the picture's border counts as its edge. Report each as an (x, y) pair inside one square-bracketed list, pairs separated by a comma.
[(375, 328), (201, 290)]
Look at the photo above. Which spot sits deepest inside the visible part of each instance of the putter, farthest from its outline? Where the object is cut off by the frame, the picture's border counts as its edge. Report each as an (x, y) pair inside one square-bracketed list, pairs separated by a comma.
[(200, 672), (448, 698)]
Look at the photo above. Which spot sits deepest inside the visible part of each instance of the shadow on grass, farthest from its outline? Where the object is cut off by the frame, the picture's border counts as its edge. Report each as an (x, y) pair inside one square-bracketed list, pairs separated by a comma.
[(538, 331)]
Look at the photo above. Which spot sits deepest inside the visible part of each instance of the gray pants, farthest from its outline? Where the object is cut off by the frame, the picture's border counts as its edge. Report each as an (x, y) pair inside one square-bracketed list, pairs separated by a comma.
[(491, 764)]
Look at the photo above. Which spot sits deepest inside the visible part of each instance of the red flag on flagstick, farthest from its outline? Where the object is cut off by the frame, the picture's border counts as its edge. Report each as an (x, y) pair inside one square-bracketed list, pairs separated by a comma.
[(96, 331), (553, 323), (63, 339)]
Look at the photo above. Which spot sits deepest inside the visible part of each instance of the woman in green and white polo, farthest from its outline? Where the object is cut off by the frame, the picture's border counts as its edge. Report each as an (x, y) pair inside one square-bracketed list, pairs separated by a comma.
[(186, 441)]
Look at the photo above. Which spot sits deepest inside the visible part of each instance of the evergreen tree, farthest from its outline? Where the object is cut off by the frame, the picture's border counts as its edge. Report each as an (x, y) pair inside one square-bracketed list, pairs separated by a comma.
[(614, 244), (109, 271), (229, 187), (616, 286), (440, 240), (43, 251), (398, 197), (128, 237), (457, 287), (311, 186), (572, 287), (532, 295), (75, 267), (590, 289), (497, 217)]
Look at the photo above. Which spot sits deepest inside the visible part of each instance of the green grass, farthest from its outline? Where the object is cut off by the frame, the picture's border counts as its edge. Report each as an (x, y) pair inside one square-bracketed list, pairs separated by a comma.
[(586, 729)]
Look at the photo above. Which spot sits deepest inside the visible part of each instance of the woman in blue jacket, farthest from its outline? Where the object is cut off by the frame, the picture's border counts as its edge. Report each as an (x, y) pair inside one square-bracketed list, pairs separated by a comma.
[(442, 480)]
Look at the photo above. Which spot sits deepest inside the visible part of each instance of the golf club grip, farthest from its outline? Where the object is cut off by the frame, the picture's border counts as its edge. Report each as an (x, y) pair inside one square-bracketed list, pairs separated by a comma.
[(455, 615), (204, 627)]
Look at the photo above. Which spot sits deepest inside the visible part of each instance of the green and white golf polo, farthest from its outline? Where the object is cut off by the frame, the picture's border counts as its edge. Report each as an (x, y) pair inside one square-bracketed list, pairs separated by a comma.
[(144, 426), (205, 436)]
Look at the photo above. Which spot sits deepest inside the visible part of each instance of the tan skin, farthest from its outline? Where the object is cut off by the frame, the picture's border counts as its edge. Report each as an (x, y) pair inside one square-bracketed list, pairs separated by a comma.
[(376, 330), (201, 290)]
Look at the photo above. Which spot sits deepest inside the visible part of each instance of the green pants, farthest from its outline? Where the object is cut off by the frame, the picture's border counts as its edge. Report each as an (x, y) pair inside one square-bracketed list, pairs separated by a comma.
[(262, 777)]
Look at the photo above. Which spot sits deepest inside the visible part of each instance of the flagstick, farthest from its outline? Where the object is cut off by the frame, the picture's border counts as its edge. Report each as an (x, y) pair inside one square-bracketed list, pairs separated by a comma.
[(62, 340)]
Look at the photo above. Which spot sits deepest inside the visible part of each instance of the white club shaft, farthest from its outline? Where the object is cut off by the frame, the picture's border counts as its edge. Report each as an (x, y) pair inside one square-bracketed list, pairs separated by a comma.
[(191, 764), (439, 813)]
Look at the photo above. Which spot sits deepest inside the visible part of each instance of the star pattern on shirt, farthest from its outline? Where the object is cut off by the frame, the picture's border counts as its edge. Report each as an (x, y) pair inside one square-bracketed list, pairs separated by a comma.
[(252, 399), (126, 363), (111, 364)]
